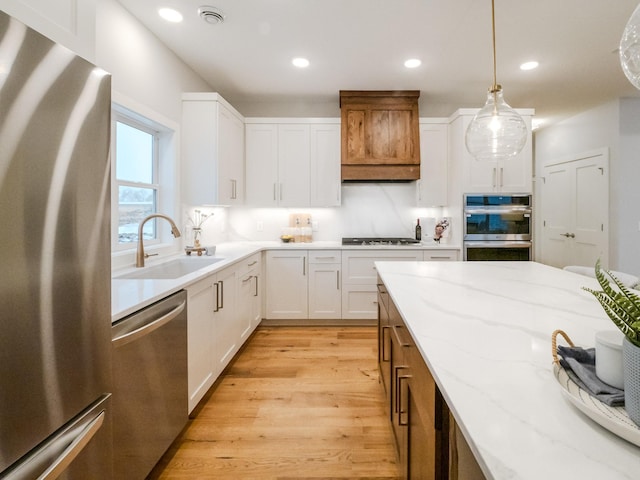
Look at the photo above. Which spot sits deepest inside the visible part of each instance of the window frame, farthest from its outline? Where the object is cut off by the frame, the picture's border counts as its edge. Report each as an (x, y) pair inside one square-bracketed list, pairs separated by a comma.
[(165, 181)]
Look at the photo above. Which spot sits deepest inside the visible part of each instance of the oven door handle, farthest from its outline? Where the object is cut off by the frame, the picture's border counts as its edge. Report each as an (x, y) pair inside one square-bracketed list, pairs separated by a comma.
[(498, 244), (493, 211)]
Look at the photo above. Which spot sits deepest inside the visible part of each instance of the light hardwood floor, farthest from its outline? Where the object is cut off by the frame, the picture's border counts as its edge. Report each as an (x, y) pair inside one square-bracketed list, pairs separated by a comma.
[(297, 403)]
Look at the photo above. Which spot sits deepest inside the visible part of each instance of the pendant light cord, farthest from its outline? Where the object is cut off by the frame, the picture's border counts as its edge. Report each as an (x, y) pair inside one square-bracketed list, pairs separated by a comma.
[(493, 29)]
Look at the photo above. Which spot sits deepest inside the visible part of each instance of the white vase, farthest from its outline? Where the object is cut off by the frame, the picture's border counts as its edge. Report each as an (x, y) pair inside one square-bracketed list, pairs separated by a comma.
[(631, 367)]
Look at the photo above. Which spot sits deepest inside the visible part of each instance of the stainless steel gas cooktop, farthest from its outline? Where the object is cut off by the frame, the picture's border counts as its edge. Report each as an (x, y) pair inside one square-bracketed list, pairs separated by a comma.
[(380, 241)]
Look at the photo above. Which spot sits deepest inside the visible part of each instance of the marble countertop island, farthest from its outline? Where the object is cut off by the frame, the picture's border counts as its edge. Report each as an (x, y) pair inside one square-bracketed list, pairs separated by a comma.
[(484, 330)]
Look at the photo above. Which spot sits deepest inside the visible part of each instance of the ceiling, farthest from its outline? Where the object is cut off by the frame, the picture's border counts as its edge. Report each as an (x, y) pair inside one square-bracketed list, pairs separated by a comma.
[(362, 44)]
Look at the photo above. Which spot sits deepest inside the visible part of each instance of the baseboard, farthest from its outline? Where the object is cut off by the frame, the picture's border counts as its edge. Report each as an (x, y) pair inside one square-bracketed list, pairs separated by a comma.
[(329, 322)]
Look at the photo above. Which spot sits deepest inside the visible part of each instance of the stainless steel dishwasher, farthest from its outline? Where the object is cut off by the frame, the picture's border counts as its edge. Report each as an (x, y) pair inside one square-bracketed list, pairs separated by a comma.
[(150, 398)]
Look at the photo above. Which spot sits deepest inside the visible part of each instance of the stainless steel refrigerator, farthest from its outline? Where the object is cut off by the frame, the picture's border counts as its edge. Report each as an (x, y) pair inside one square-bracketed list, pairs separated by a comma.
[(55, 328)]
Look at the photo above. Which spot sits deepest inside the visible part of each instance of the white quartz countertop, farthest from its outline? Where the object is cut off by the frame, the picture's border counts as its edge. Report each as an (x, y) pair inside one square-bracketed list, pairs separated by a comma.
[(130, 295), (484, 330)]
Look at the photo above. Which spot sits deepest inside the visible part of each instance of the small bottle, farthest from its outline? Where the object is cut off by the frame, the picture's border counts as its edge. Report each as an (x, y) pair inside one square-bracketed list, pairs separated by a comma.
[(418, 231)]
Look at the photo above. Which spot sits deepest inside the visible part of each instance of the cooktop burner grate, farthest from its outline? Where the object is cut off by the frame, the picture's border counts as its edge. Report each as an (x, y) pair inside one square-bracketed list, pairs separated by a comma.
[(378, 241)]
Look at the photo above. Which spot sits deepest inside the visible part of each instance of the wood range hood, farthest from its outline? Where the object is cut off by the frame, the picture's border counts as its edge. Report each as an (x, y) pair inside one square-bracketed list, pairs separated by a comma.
[(380, 135)]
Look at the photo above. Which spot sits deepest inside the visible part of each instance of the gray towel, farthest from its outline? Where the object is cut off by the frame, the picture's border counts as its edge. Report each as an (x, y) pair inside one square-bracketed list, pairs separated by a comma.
[(580, 365)]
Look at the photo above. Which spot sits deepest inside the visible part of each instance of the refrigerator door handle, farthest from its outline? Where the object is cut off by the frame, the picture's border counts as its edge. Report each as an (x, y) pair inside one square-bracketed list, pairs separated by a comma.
[(55, 456), (72, 451)]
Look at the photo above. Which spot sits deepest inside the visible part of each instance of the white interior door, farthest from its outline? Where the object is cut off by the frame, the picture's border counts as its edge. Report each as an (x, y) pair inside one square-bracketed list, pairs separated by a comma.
[(575, 205), (591, 212), (556, 214)]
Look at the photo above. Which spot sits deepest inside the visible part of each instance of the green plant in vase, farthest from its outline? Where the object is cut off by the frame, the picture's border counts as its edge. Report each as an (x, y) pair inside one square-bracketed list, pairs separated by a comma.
[(623, 308), (620, 304)]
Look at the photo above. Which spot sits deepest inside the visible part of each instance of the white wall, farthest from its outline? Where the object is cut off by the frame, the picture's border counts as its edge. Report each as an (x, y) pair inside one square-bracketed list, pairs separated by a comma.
[(615, 125), (142, 68), (625, 190)]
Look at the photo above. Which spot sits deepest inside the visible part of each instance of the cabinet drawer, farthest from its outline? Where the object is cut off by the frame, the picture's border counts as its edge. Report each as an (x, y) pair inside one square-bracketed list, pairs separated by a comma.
[(251, 263), (359, 302), (358, 266), (441, 255), (325, 256)]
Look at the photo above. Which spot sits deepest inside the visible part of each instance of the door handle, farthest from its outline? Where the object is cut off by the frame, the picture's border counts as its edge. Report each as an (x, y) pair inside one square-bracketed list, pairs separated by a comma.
[(72, 451), (568, 235)]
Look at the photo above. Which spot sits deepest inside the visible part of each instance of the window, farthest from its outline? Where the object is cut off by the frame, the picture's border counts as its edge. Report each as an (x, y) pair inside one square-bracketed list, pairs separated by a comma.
[(144, 178), (136, 173)]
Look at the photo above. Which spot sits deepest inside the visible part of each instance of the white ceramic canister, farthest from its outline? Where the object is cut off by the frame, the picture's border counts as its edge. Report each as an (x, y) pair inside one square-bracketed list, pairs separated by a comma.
[(609, 357)]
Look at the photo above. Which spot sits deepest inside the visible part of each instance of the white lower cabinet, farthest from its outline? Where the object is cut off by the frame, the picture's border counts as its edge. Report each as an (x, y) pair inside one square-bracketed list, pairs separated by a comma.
[(201, 305), (227, 325), (359, 290), (249, 297), (213, 331), (325, 300), (286, 285)]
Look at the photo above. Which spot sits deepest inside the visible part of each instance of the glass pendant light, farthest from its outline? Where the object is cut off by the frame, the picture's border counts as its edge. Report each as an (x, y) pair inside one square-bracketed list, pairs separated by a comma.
[(630, 49), (496, 132)]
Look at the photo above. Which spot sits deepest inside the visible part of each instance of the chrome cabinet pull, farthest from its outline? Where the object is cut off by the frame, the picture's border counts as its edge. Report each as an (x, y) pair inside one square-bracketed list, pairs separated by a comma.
[(221, 294), (252, 263), (256, 293), (495, 172), (304, 266), (501, 176), (234, 189), (217, 297)]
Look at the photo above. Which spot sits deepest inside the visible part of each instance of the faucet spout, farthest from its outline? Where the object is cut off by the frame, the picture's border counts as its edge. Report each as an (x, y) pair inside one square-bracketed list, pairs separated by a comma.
[(140, 255)]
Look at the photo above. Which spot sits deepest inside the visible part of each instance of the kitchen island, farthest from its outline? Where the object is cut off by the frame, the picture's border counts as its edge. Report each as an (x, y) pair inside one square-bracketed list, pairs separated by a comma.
[(484, 331)]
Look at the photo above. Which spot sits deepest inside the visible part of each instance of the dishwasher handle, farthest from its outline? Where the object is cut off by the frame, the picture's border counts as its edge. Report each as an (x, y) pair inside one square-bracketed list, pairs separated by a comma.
[(148, 327)]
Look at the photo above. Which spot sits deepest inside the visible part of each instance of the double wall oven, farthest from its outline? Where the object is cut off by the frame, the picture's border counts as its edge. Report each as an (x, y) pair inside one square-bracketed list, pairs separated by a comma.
[(497, 227)]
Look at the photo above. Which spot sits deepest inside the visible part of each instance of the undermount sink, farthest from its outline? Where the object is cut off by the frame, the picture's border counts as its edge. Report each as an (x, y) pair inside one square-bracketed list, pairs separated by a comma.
[(172, 269)]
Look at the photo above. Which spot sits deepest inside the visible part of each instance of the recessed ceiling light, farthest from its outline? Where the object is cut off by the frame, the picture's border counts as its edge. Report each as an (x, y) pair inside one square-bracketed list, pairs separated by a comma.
[(170, 15), (412, 63), (300, 62), (529, 65)]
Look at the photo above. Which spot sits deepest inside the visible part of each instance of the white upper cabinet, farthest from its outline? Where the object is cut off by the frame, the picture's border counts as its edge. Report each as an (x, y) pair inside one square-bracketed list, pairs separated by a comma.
[(212, 151), (504, 176), (434, 154), (71, 23), (325, 187), (292, 162), (293, 165)]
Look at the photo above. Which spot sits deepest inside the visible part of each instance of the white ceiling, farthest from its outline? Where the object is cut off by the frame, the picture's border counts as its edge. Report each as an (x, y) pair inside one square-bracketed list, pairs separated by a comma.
[(362, 44)]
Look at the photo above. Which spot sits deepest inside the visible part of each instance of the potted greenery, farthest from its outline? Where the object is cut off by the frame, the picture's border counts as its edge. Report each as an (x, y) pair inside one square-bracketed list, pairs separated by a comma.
[(623, 308)]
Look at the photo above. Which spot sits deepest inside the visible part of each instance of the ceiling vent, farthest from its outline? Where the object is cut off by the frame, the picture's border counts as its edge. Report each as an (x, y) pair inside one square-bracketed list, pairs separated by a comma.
[(211, 15)]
